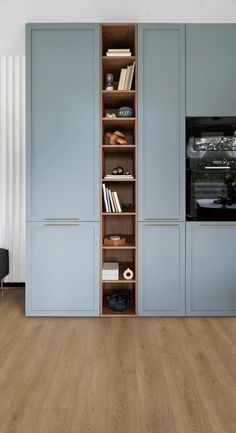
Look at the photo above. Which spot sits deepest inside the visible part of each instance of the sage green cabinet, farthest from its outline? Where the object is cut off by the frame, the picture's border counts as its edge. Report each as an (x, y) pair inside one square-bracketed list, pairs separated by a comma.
[(210, 269), (161, 269), (210, 70), (161, 121)]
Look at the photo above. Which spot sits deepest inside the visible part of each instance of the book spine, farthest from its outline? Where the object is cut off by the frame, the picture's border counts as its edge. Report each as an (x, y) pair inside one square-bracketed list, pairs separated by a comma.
[(118, 202), (120, 54), (131, 75), (105, 197), (121, 79), (111, 201), (127, 78), (114, 201), (108, 200)]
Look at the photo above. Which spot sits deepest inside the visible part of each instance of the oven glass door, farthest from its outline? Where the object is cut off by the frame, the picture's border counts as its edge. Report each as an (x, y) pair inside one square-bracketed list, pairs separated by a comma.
[(211, 195)]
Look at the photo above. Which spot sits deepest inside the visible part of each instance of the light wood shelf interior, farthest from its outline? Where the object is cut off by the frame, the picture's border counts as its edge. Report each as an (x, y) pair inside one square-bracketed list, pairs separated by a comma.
[(123, 224)]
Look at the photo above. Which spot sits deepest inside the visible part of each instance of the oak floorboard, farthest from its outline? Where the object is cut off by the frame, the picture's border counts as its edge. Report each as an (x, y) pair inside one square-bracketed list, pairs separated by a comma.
[(109, 375)]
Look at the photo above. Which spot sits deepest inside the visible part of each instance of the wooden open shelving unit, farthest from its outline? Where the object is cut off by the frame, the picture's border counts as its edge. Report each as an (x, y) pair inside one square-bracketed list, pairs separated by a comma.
[(125, 223)]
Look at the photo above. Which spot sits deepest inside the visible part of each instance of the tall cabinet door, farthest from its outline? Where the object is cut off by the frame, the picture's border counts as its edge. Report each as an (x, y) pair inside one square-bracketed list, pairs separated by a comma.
[(162, 269), (210, 69), (63, 269), (62, 121), (161, 121)]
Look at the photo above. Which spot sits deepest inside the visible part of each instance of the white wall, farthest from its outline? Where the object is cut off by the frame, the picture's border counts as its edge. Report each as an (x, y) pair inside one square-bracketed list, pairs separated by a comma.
[(15, 13)]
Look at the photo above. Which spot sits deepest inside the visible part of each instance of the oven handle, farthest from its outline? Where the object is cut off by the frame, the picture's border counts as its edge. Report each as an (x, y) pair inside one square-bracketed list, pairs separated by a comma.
[(217, 168)]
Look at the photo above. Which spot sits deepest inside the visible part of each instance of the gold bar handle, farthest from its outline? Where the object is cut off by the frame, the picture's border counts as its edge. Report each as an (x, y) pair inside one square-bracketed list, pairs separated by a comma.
[(161, 225), (218, 225), (162, 219), (62, 219), (61, 225)]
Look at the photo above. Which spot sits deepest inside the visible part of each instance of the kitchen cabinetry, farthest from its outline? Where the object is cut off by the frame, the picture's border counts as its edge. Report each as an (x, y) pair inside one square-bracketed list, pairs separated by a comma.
[(210, 266), (161, 121), (63, 269), (162, 269), (62, 257), (210, 69), (63, 121)]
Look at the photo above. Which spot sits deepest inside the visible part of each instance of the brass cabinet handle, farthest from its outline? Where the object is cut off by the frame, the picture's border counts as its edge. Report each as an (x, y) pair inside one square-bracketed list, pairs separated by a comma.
[(162, 218), (62, 219), (62, 225), (161, 225), (218, 225)]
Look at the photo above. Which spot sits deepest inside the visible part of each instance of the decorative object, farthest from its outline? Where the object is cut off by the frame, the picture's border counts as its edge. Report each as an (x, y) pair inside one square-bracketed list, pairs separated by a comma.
[(128, 274), (110, 271), (109, 81), (118, 170), (119, 301), (116, 138), (125, 112), (111, 115), (127, 207), (127, 172), (114, 241)]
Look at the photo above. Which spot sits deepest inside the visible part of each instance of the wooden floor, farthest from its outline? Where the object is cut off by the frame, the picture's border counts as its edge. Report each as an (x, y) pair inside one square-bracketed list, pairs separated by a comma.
[(146, 375)]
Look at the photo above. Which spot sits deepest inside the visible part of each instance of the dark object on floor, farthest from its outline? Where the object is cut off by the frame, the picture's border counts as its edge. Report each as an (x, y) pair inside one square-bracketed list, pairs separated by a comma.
[(118, 301), (4, 265)]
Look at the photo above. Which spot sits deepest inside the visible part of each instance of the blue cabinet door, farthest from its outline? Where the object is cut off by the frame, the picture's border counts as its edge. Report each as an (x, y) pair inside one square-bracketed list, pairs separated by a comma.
[(62, 121), (63, 269), (211, 271), (210, 70), (162, 269), (161, 120)]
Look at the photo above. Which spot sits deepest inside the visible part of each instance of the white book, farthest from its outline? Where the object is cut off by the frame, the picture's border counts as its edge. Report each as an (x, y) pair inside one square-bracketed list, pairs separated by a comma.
[(108, 200), (114, 201), (127, 78), (110, 271), (115, 50), (121, 79), (105, 196), (118, 54), (111, 201), (118, 202)]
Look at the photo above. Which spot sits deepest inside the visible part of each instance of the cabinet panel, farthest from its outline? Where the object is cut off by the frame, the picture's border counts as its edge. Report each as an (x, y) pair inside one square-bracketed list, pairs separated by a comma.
[(162, 269), (211, 276), (63, 121), (210, 70), (63, 269), (161, 121)]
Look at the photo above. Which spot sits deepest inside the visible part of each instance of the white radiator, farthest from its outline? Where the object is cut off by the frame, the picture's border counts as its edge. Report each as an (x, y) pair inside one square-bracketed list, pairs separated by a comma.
[(12, 163)]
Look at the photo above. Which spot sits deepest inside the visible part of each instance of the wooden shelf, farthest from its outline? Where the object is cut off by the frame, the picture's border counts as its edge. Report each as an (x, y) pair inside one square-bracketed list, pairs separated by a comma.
[(122, 268), (118, 213), (119, 36), (106, 312), (124, 97), (119, 180), (124, 148), (130, 244), (119, 121)]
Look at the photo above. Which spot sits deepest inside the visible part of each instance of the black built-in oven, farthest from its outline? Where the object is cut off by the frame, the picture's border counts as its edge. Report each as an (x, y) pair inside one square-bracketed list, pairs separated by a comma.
[(211, 169)]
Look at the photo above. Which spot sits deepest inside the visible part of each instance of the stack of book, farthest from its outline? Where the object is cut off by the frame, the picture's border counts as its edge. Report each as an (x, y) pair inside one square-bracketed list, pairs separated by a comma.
[(126, 77), (110, 271), (118, 177), (111, 200), (118, 52)]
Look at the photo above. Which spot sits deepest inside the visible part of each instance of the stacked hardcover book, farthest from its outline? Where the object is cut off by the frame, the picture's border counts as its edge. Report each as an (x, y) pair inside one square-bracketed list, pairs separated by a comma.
[(111, 200), (118, 52), (110, 271), (126, 77)]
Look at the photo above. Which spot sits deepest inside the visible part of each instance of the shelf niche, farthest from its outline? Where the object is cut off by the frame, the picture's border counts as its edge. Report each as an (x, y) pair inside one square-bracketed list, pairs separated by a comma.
[(119, 36)]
